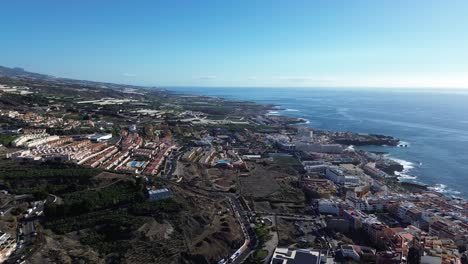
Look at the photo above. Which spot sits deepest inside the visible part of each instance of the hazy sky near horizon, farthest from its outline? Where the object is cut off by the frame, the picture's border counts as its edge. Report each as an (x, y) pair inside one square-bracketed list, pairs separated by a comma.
[(385, 43)]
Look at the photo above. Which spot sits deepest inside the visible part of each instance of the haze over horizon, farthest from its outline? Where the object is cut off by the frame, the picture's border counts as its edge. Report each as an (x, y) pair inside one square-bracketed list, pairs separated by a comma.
[(406, 44)]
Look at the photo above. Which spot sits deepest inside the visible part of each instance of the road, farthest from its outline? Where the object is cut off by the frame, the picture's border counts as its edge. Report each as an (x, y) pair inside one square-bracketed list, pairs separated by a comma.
[(249, 233), (243, 220), (171, 164), (247, 229), (26, 235), (287, 216), (271, 244)]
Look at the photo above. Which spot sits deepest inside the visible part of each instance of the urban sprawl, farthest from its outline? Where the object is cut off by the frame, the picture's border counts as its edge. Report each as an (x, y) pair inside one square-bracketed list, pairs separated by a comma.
[(105, 173)]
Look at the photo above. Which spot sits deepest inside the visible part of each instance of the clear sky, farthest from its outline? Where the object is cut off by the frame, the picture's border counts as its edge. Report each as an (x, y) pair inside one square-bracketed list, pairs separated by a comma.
[(377, 43)]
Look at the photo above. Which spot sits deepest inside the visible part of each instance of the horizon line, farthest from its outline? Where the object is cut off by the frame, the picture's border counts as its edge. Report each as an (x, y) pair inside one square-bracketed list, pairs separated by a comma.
[(310, 87), (353, 86)]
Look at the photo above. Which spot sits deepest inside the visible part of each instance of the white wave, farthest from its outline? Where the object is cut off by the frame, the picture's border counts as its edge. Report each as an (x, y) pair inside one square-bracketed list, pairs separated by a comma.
[(350, 147), (404, 176), (291, 110), (271, 112), (442, 188), (403, 144), (407, 165)]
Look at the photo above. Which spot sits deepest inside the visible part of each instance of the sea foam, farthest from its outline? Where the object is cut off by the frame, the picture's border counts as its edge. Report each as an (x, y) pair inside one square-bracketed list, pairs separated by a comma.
[(442, 188), (403, 143), (271, 112), (407, 166)]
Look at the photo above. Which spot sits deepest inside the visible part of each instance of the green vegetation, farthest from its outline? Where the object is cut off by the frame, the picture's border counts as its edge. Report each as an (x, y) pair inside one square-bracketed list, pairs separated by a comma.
[(114, 220), (19, 100), (286, 161), (45, 178), (105, 212), (18, 210), (90, 200), (38, 190), (156, 208), (105, 242), (101, 215), (73, 131), (10, 170), (107, 218), (263, 234), (393, 184), (6, 139), (217, 117), (344, 239), (260, 254), (230, 127), (307, 244), (210, 109)]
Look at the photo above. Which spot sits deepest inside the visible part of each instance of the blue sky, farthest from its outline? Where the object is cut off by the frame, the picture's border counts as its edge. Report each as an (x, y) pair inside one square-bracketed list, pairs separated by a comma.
[(385, 43)]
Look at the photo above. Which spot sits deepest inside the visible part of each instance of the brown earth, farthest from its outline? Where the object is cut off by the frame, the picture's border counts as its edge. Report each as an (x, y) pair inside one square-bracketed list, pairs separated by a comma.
[(269, 190), (205, 231)]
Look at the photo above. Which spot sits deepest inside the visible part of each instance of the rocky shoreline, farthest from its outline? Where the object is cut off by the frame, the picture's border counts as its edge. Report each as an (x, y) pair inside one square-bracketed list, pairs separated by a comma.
[(356, 139)]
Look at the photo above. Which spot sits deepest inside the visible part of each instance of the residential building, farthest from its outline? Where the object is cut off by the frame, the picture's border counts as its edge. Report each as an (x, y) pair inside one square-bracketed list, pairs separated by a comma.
[(329, 206), (300, 256), (159, 194), (100, 137)]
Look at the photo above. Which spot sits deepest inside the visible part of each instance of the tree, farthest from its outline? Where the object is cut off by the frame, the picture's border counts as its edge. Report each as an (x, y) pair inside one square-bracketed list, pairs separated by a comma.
[(149, 131), (17, 210), (40, 195)]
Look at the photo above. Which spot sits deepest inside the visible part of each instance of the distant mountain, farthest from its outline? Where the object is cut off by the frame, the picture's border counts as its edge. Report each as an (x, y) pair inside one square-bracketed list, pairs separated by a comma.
[(21, 73)]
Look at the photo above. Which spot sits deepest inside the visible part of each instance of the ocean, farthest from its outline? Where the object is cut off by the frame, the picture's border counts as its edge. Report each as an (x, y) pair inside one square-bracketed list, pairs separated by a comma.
[(434, 124)]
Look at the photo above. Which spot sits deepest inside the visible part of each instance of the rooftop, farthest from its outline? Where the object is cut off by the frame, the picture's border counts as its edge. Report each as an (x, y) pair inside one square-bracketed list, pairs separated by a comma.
[(298, 256)]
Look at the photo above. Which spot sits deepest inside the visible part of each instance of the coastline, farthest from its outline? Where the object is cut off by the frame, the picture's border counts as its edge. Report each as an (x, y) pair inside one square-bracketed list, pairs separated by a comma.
[(403, 178)]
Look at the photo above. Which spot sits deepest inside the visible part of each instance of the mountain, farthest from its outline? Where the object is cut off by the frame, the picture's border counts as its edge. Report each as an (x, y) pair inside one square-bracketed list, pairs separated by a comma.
[(51, 85), (21, 73)]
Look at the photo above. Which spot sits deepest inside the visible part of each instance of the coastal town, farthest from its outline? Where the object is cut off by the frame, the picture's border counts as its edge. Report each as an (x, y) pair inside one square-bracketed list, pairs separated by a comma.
[(106, 173)]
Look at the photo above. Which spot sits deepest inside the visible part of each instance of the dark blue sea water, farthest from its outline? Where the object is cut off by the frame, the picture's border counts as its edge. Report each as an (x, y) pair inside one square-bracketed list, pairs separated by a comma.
[(434, 124)]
